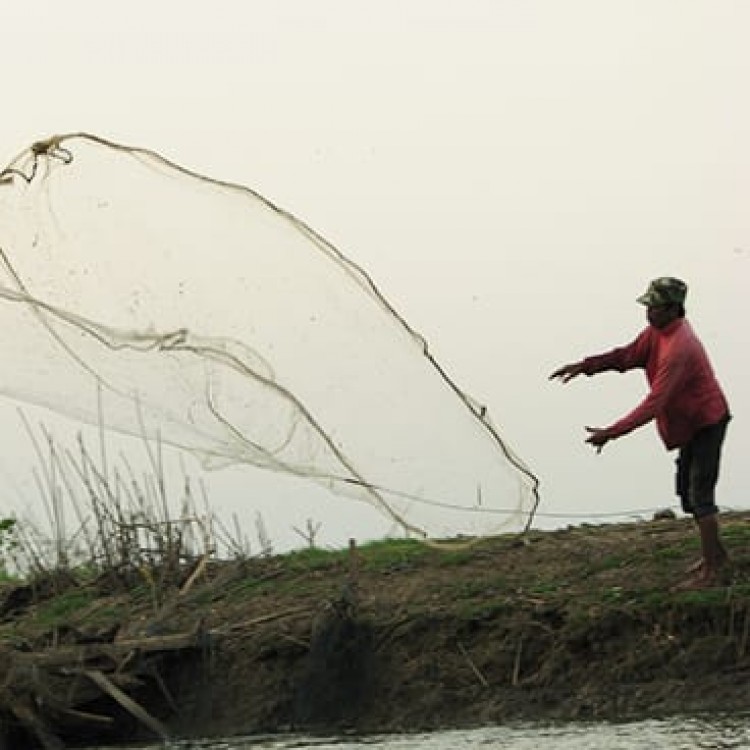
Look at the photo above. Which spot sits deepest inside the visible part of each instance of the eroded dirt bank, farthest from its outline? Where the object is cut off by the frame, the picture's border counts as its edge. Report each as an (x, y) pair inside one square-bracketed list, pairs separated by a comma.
[(577, 623)]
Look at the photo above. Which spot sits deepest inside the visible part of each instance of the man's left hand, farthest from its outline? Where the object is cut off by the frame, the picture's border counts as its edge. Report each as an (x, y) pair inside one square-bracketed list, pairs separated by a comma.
[(598, 437)]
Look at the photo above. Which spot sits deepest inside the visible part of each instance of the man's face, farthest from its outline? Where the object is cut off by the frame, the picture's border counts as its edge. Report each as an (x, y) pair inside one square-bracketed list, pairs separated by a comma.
[(661, 315)]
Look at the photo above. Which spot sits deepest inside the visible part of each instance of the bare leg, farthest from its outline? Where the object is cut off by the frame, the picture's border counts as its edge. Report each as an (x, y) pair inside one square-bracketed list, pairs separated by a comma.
[(697, 566), (714, 556)]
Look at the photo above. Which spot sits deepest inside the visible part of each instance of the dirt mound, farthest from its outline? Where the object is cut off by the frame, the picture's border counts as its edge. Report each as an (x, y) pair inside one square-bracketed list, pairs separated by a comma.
[(576, 623)]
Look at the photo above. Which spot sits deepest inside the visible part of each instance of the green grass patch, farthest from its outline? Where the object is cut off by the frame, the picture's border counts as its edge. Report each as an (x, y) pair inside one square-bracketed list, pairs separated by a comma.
[(312, 559), (736, 532), (546, 587), (669, 553), (454, 558), (64, 607), (703, 597), (393, 553), (106, 614)]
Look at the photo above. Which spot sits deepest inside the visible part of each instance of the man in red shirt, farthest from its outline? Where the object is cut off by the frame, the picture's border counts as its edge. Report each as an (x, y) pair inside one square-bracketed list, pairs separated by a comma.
[(687, 403)]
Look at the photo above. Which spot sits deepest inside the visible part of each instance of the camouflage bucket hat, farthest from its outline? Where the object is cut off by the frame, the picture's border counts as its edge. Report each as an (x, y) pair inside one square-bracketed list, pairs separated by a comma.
[(664, 291)]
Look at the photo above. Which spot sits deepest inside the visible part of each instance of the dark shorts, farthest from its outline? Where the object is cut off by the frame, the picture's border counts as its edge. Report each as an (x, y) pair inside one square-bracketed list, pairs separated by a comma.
[(698, 470)]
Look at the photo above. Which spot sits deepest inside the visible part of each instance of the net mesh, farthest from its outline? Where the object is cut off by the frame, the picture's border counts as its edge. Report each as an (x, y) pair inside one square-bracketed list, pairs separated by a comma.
[(141, 295)]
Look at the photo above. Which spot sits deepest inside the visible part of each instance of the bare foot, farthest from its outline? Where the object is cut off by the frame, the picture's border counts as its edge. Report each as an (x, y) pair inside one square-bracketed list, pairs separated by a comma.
[(705, 577), (699, 564)]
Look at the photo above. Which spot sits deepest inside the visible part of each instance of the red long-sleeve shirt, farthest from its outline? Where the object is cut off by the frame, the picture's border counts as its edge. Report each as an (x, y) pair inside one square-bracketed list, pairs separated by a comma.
[(685, 395)]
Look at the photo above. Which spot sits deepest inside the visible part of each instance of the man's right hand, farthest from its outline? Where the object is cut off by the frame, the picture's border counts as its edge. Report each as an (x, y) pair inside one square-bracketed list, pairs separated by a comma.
[(566, 373)]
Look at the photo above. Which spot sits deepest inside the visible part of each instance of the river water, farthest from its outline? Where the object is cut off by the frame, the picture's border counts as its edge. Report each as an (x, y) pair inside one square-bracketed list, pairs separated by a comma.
[(674, 734)]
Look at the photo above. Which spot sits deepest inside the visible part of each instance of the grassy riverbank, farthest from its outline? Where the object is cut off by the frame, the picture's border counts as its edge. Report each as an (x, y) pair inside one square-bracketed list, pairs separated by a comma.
[(576, 623)]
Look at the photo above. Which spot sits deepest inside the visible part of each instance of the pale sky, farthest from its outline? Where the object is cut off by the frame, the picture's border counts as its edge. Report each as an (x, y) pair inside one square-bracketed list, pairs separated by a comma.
[(511, 174)]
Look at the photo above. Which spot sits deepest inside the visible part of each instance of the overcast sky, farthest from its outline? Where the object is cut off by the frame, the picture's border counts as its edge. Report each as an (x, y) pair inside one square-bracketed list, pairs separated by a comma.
[(511, 174)]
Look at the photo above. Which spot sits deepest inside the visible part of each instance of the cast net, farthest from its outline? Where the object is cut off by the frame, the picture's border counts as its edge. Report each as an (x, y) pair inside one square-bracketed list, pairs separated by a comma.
[(159, 302)]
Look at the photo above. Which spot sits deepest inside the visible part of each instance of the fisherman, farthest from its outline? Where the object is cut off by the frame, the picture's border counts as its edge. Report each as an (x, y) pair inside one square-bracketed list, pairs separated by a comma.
[(689, 407)]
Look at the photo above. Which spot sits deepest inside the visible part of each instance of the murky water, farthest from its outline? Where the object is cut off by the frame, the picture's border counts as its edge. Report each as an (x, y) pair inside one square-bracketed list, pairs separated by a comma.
[(675, 734)]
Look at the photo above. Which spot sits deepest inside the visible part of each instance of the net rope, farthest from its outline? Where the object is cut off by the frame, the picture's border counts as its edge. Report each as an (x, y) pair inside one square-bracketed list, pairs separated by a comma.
[(141, 293)]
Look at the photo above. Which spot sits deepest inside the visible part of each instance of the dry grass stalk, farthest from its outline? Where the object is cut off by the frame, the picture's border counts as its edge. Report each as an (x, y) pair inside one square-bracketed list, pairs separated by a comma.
[(127, 531)]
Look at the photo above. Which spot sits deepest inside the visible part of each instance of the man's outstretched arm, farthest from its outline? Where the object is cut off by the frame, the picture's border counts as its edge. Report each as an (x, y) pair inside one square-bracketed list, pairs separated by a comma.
[(621, 359)]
